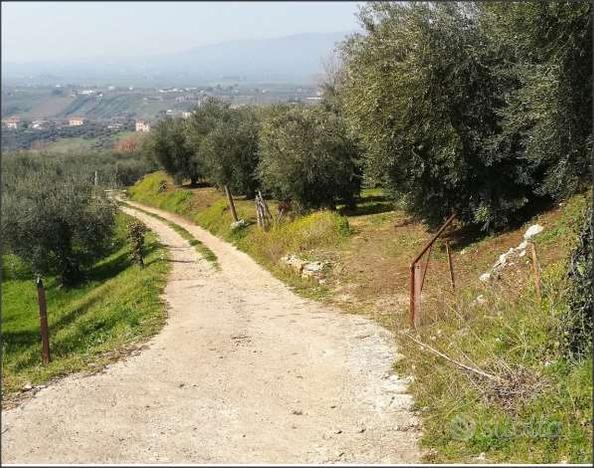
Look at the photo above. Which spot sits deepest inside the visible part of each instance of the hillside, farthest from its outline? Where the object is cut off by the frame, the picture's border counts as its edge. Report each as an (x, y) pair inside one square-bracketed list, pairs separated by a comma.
[(535, 406), (91, 325)]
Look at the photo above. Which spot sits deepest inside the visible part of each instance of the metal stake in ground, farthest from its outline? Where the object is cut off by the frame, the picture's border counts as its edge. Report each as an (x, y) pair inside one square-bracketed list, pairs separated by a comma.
[(417, 277), (45, 347)]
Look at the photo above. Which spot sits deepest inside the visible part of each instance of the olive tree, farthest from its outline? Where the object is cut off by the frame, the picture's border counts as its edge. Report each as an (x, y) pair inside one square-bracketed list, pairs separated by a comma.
[(229, 152), (307, 156), (577, 318), (53, 220), (423, 100), (483, 109), (168, 145), (547, 73)]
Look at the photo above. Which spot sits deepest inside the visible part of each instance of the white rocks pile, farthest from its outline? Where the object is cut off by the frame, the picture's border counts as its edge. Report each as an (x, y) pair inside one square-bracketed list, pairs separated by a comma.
[(304, 268), (505, 258)]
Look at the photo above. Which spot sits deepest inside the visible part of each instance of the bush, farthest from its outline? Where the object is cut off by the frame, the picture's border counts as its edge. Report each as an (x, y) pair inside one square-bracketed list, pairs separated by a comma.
[(577, 323), (306, 155), (56, 222), (136, 232)]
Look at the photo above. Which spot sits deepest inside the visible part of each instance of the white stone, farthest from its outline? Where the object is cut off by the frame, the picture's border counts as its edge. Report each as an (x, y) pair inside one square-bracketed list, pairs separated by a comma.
[(485, 277), (294, 262), (522, 246), (313, 268), (480, 299), (533, 231)]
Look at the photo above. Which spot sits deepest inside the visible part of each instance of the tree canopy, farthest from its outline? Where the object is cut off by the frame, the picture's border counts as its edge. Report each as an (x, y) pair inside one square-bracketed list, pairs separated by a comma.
[(53, 218), (456, 114), (229, 151), (307, 155), (169, 146)]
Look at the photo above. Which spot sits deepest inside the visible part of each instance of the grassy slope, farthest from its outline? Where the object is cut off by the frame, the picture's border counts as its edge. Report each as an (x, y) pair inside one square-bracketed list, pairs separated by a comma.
[(80, 144), (90, 325), (33, 103), (538, 412), (70, 145)]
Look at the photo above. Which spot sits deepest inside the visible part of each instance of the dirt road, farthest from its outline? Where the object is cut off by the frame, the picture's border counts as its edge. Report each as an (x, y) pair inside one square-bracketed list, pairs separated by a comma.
[(244, 371)]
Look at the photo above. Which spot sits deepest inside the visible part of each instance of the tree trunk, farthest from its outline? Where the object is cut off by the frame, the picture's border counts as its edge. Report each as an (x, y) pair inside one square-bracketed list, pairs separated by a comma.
[(193, 181), (70, 274), (231, 204)]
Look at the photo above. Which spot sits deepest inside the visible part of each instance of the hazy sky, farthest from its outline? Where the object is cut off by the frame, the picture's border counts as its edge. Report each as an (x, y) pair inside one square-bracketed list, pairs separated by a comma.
[(53, 31)]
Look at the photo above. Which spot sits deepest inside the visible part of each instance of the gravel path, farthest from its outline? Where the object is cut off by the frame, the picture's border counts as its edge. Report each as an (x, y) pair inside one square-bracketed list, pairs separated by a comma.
[(244, 371)]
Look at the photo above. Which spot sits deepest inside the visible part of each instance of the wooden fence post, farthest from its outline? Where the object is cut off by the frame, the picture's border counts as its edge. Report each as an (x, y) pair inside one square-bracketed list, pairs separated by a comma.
[(231, 204), (45, 347), (412, 295), (418, 286), (265, 205), (536, 272)]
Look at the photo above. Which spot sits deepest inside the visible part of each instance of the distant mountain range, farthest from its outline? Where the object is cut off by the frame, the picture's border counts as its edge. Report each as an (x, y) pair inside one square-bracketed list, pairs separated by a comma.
[(295, 59)]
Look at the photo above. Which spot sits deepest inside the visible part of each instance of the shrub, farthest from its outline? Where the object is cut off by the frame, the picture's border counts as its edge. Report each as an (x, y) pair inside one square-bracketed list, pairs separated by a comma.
[(306, 155), (577, 323), (136, 232)]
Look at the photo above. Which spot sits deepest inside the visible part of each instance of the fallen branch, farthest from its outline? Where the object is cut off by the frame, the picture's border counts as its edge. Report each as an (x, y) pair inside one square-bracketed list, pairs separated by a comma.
[(453, 361)]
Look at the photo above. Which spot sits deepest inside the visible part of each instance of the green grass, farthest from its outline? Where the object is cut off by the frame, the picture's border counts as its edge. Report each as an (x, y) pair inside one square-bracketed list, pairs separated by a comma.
[(202, 250), (70, 145), (81, 145), (538, 412), (541, 411), (118, 306)]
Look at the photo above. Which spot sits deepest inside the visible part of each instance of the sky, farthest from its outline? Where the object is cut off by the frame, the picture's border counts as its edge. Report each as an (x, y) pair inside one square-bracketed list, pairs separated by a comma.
[(58, 31)]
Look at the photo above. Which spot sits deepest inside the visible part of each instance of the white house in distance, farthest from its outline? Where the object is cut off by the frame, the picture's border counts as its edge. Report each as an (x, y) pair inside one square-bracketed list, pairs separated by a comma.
[(12, 122), (143, 126), (76, 121), (39, 124)]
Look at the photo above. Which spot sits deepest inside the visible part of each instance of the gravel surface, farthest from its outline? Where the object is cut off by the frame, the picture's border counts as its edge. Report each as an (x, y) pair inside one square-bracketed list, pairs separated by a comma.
[(244, 371)]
